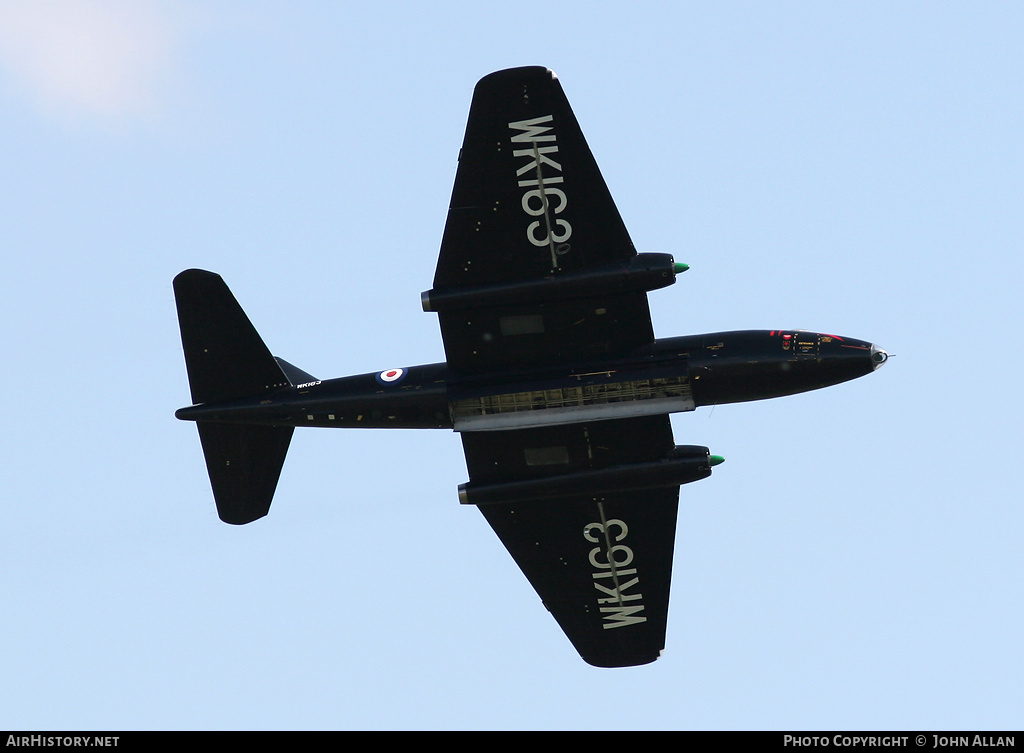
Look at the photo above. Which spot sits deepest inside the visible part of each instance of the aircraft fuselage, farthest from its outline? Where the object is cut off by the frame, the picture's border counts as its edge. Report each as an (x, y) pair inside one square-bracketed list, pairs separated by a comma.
[(669, 376), (553, 377)]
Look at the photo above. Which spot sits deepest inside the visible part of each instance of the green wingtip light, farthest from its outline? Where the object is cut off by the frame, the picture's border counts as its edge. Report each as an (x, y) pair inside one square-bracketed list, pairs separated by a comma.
[(680, 267), (715, 460)]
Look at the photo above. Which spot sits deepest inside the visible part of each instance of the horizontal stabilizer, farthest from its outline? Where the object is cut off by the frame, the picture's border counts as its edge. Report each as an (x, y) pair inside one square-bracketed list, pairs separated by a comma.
[(225, 356), (227, 360), (244, 462)]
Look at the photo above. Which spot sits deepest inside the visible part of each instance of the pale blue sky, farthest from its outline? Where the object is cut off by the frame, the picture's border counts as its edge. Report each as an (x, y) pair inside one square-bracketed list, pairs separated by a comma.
[(848, 167)]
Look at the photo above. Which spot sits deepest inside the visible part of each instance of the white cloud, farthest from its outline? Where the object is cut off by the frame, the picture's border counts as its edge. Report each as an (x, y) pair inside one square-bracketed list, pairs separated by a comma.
[(110, 59)]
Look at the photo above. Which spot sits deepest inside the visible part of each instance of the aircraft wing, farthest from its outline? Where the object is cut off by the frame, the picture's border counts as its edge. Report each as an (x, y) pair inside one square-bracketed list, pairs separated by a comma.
[(529, 203), (601, 563)]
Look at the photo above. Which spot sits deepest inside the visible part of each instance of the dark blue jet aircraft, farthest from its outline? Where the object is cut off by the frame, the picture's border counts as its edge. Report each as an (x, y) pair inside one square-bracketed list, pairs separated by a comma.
[(552, 378)]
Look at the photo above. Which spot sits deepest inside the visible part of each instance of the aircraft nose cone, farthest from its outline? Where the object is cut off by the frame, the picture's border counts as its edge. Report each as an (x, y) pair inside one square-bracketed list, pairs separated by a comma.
[(878, 356)]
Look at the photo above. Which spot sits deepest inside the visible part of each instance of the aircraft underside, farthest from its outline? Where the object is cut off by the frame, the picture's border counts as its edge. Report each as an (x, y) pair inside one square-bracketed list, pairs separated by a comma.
[(552, 376)]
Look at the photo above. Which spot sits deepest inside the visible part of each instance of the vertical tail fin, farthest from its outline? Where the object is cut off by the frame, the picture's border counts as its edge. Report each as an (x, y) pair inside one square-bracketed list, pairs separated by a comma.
[(227, 359)]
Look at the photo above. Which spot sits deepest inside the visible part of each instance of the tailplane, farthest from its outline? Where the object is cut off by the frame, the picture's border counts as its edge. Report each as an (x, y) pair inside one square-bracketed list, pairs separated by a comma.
[(244, 462), (225, 356), (226, 359)]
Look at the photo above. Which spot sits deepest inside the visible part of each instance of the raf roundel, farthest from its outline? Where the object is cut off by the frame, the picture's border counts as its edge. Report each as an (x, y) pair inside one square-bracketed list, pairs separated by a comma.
[(390, 376)]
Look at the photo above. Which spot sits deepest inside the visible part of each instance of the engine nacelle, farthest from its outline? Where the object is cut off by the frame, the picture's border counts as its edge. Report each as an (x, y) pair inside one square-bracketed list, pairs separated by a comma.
[(644, 272), (683, 465)]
